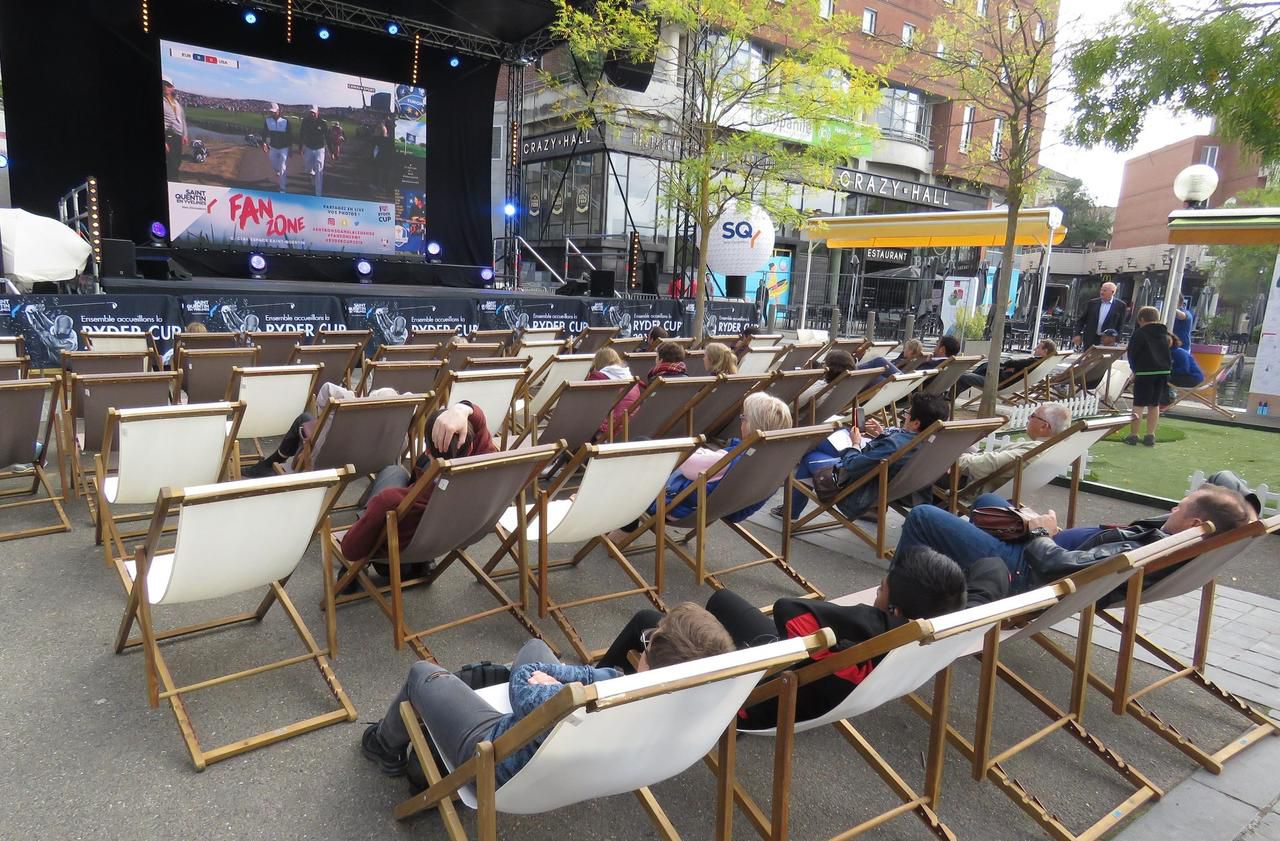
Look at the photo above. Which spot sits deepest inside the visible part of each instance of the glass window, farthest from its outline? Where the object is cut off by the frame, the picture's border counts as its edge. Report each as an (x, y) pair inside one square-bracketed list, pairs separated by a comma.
[(908, 33), (869, 21), (642, 194), (1039, 30), (903, 113), (966, 128), (1011, 20), (495, 147), (826, 7), (997, 134), (980, 7), (1209, 156), (615, 206), (818, 200), (941, 51)]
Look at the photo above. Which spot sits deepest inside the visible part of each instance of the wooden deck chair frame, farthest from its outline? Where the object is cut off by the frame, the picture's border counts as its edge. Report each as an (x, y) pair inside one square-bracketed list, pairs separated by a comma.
[(160, 683), (499, 422), (210, 340), (643, 359), (1075, 379), (626, 344), (950, 637), (12, 347), (877, 350), (433, 336), (720, 406), (224, 361), (838, 396), (27, 433), (592, 339), (664, 456), (882, 398), (502, 337), (390, 598), (948, 373), (656, 400), (274, 348), (339, 373), (474, 780), (1027, 385), (14, 369), (540, 355), (573, 414), (760, 360), (103, 341), (456, 356), (409, 353), (853, 345), (1206, 394), (748, 487), (727, 339), (787, 386), (343, 336), (109, 531), (765, 340), (311, 455), (87, 363), (283, 402), (891, 477), (489, 363), (695, 363), (404, 377), (798, 355)]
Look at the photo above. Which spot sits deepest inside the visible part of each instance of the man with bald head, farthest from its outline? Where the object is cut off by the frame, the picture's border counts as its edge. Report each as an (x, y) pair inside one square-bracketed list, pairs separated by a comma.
[(1106, 312)]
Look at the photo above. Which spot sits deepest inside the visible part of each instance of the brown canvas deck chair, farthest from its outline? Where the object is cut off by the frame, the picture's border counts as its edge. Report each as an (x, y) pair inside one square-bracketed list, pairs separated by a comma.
[(29, 409), (944, 378), (787, 386), (1206, 394), (626, 344), (12, 347), (695, 363), (330, 336), (206, 374), (87, 363), (798, 355), (883, 397), (720, 407), (760, 360), (837, 397), (1094, 365), (1028, 385), (232, 538), (664, 404), (592, 339), (404, 377), (505, 337), (184, 341), (166, 447), (494, 391), (337, 361), (618, 484), (103, 341), (760, 465), (912, 655), (456, 356), (467, 498), (14, 369), (575, 414), (914, 468), (409, 353), (611, 737), (434, 336), (641, 363), (366, 433), (274, 348), (273, 396)]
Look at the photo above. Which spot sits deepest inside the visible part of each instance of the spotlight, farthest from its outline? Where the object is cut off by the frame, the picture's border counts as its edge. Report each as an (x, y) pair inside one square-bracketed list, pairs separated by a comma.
[(323, 33), (158, 233), (4, 161), (257, 266), (393, 28), (364, 270), (509, 208), (433, 248), (454, 61), (486, 274), (250, 16)]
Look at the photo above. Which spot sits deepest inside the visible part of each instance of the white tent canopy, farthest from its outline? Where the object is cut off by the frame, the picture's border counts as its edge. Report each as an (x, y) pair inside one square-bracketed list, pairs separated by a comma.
[(37, 248)]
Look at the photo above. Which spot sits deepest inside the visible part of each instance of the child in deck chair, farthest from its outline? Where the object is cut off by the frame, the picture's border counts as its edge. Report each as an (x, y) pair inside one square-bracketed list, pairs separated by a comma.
[(458, 719), (607, 365), (920, 584), (670, 363)]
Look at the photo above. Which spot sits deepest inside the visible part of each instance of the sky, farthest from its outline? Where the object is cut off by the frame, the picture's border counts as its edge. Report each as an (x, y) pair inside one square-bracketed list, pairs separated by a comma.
[(1099, 167)]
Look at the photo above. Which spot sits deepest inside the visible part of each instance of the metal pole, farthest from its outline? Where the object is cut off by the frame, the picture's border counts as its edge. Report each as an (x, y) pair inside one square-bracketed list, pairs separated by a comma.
[(1173, 288), (804, 298), (1044, 282)]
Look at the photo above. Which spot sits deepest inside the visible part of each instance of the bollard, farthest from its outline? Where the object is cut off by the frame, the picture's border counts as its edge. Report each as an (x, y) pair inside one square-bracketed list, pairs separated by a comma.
[(871, 325), (910, 328), (837, 326)]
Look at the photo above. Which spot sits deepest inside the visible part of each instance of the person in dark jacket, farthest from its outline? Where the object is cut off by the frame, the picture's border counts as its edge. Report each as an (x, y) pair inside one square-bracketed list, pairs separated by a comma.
[(1183, 370), (1041, 559), (1150, 359), (978, 376), (1106, 312)]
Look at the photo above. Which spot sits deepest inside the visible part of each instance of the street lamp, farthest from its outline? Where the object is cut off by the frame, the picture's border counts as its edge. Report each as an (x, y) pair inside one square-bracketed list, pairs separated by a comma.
[(1193, 186)]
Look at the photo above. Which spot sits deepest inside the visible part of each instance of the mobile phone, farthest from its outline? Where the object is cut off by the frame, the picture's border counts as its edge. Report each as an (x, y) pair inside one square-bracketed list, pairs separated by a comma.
[(859, 417)]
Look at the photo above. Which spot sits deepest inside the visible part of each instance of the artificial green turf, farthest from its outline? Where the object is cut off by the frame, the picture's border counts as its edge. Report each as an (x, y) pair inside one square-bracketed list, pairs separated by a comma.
[(1183, 447)]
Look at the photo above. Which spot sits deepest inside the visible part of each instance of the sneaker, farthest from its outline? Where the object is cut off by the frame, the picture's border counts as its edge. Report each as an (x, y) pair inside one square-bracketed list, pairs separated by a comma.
[(391, 763), (1148, 440), (777, 511), (1132, 440)]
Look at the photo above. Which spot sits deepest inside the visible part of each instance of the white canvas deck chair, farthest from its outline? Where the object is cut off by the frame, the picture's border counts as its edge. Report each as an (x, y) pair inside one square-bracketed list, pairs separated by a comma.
[(575, 414), (410, 353), (342, 336), (458, 355), (14, 369), (556, 370), (366, 433), (166, 447), (721, 406), (943, 379), (798, 355), (787, 386), (493, 391), (640, 363), (206, 374), (762, 340), (507, 336), (490, 363), (837, 397), (1206, 394), (434, 336), (760, 360), (612, 737), (664, 404), (29, 409), (760, 465), (695, 363), (626, 344), (911, 470), (877, 350), (232, 538), (913, 653), (273, 396), (337, 361), (402, 377), (882, 397), (184, 341), (467, 497), (274, 348), (539, 355), (619, 483), (87, 363), (103, 341), (592, 339), (1094, 364), (1027, 385), (12, 347)]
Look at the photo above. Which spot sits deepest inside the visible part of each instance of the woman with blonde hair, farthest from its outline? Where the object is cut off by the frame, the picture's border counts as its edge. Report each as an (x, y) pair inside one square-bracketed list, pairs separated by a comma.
[(720, 359), (608, 365)]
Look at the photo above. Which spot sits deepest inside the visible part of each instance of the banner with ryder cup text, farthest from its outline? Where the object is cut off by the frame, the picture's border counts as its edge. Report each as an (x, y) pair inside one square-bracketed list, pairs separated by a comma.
[(393, 320), (50, 324), (637, 318), (305, 314), (569, 314)]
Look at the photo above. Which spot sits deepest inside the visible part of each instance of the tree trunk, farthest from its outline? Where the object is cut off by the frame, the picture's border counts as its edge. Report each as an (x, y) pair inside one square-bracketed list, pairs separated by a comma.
[(704, 288), (1000, 303)]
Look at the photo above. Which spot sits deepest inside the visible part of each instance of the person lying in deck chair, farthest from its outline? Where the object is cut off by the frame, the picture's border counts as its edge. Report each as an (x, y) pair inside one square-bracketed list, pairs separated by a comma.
[(608, 365), (978, 376), (304, 426), (920, 584), (833, 365), (670, 363), (1040, 559), (1045, 422), (458, 718)]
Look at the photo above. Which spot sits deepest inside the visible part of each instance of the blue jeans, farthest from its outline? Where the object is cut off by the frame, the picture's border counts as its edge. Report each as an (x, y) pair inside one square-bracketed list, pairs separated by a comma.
[(881, 362), (938, 529), (823, 455)]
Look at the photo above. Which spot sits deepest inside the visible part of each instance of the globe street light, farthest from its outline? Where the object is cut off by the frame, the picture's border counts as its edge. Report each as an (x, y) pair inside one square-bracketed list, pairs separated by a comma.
[(1194, 185)]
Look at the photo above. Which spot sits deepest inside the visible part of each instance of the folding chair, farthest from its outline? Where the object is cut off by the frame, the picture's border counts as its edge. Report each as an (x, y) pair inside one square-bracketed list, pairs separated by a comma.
[(14, 369), (720, 406), (235, 537), (337, 361), (608, 738), (457, 356), (88, 363), (403, 377), (877, 350), (541, 334), (727, 339), (467, 497), (760, 360), (787, 386), (798, 355), (503, 337), (1094, 364), (850, 345), (912, 469), (434, 336), (663, 404), (12, 347), (1206, 394), (884, 396), (274, 348), (102, 341), (29, 409), (619, 483), (911, 655), (575, 414), (539, 354), (626, 344), (365, 433), (329, 336), (592, 339), (409, 353), (490, 363), (756, 468), (493, 391), (1024, 386), (641, 363), (273, 397), (695, 363), (944, 378), (166, 447), (206, 374), (837, 397), (184, 341), (764, 340)]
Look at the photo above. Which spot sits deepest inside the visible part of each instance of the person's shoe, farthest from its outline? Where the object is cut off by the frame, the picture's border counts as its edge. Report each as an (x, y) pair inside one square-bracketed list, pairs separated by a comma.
[(1132, 440), (391, 763), (1148, 440), (777, 511)]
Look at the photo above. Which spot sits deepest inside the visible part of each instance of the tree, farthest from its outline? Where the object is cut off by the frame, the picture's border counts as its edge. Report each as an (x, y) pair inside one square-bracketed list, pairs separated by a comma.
[(1086, 223), (1001, 61), (1242, 272), (762, 93), (1213, 58)]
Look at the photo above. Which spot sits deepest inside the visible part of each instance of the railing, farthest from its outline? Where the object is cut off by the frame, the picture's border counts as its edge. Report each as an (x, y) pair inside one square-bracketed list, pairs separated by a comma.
[(1081, 406), (520, 243), (571, 248)]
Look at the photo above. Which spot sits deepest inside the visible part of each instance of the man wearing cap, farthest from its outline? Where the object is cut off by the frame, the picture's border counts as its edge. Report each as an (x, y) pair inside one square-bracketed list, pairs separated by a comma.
[(175, 129), (276, 140), (312, 139)]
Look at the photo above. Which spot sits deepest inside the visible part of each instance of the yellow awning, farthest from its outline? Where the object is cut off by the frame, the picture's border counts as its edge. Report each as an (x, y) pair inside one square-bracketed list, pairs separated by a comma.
[(1225, 226), (916, 230)]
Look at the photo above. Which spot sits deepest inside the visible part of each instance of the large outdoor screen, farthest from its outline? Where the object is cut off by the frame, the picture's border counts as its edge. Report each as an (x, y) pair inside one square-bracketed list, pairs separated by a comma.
[(263, 155)]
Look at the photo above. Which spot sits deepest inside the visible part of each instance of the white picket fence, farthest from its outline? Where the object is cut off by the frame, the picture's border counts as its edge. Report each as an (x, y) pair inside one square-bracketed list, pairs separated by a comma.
[(1270, 500), (1081, 406)]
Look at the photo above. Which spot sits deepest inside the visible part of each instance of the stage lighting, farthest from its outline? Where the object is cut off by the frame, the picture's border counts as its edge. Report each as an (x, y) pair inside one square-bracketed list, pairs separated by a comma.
[(509, 208), (257, 266), (364, 270), (250, 16), (393, 28), (433, 248), (323, 33), (159, 233), (486, 274), (454, 61), (4, 161)]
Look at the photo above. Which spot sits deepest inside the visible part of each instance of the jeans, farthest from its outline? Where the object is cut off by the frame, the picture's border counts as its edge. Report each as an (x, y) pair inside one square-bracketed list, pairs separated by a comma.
[(457, 718), (823, 455), (960, 540), (881, 362), (391, 476)]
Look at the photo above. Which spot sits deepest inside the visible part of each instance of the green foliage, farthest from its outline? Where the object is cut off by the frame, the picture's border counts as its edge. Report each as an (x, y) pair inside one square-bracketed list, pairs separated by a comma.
[(1086, 222), (970, 325), (1242, 272), (1213, 58)]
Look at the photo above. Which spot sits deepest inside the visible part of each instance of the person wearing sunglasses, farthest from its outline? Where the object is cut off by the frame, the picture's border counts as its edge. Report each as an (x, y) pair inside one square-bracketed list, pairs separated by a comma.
[(1045, 422)]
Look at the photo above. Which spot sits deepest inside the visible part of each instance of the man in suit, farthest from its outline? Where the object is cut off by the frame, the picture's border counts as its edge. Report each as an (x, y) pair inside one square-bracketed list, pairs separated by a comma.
[(1102, 313)]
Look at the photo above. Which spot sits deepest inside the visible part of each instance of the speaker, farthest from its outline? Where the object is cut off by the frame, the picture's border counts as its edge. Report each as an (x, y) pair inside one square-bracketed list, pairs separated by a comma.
[(119, 258), (602, 283), (649, 278), (572, 288), (735, 286)]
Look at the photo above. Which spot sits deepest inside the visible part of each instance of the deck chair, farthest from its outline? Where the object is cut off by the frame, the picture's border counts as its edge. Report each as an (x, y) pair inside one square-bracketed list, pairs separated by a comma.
[(342, 336), (409, 353), (103, 341), (88, 363), (456, 356), (592, 339), (695, 363), (663, 404), (273, 396), (626, 344), (798, 355), (166, 447), (493, 391), (912, 655), (29, 409), (765, 340), (337, 361), (14, 369), (184, 341), (914, 468), (490, 363), (619, 482), (434, 336), (764, 462), (575, 414), (608, 738), (884, 395), (12, 347), (232, 538), (721, 406), (787, 386), (206, 374), (404, 377), (944, 378), (1027, 385), (503, 337), (467, 498), (366, 433), (877, 350), (1094, 364), (853, 346), (641, 363), (760, 360), (838, 396), (1206, 394), (539, 355), (274, 348)]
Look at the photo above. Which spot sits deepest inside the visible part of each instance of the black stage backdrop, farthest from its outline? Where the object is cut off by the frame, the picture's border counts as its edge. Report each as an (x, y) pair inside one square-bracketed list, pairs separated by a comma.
[(82, 97), (637, 318), (393, 320), (50, 324), (571, 315), (275, 313)]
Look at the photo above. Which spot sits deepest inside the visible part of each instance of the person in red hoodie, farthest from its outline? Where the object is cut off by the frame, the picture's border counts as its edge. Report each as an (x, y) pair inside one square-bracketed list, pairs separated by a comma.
[(460, 430), (607, 365)]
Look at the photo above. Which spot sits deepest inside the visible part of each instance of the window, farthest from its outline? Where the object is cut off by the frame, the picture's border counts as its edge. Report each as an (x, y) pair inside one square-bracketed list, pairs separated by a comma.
[(975, 58), (1033, 85), (1011, 20), (997, 133), (904, 114), (908, 33), (1209, 156), (1039, 30), (966, 128), (980, 7), (941, 51), (826, 7), (869, 21)]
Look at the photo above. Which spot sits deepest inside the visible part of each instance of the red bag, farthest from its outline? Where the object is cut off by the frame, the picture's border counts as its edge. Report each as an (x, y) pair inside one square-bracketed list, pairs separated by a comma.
[(1011, 524)]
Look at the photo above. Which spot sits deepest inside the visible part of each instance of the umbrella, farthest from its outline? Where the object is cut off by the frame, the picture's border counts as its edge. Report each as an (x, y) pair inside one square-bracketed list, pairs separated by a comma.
[(38, 248)]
